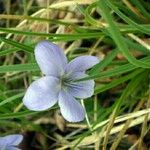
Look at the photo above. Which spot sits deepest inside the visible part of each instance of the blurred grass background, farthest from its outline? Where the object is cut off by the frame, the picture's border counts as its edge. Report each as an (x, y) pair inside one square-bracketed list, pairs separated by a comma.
[(115, 31)]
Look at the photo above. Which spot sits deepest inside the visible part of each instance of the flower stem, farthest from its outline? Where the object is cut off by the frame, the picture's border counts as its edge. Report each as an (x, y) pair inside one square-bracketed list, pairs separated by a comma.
[(86, 116)]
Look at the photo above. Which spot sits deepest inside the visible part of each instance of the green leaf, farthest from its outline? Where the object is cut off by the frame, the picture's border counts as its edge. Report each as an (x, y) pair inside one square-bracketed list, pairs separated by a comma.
[(115, 71), (19, 68), (118, 81), (18, 114), (18, 45), (10, 99), (127, 19), (117, 37), (106, 61), (52, 36)]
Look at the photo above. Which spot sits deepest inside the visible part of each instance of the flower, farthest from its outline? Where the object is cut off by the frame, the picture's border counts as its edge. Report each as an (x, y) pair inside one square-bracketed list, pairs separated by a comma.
[(58, 83), (10, 142)]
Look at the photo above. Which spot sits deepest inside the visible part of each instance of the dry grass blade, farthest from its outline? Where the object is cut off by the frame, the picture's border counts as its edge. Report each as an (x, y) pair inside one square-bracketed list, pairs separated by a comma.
[(125, 127)]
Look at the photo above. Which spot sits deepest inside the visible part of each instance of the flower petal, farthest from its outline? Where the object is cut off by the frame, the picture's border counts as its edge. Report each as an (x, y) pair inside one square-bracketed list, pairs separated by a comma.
[(70, 108), (82, 63), (50, 58), (82, 89), (11, 140), (12, 148), (42, 94)]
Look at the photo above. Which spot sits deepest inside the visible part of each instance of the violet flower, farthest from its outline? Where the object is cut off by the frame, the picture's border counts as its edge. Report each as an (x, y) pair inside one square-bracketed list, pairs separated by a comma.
[(10, 142), (58, 83)]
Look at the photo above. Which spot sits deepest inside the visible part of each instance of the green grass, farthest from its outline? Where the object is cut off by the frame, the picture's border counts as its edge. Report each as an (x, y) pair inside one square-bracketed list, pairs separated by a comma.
[(104, 28)]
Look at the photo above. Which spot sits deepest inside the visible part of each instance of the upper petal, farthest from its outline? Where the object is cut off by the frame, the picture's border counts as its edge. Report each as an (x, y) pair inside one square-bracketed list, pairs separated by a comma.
[(81, 63), (70, 108), (42, 94), (11, 140), (50, 58), (82, 89)]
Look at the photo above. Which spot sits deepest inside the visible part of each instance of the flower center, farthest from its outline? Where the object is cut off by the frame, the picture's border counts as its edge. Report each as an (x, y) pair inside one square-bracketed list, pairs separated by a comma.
[(64, 81)]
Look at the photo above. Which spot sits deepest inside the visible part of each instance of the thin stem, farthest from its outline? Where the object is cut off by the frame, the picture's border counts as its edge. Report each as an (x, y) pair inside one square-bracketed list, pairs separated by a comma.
[(86, 116)]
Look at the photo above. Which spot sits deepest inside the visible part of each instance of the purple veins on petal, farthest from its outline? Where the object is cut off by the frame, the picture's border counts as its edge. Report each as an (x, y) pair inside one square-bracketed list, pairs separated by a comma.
[(82, 89), (70, 108)]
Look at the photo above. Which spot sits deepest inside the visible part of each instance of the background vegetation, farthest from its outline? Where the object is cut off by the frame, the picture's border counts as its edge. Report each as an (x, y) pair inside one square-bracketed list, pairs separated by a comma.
[(115, 31)]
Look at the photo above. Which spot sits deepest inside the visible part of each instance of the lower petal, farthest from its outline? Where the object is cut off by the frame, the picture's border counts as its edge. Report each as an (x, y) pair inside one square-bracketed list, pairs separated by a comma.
[(82, 89), (42, 94), (11, 140), (70, 108)]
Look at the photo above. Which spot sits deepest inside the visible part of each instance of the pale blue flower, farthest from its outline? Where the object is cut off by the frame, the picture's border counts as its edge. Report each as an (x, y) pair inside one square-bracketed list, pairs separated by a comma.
[(58, 83), (10, 142)]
